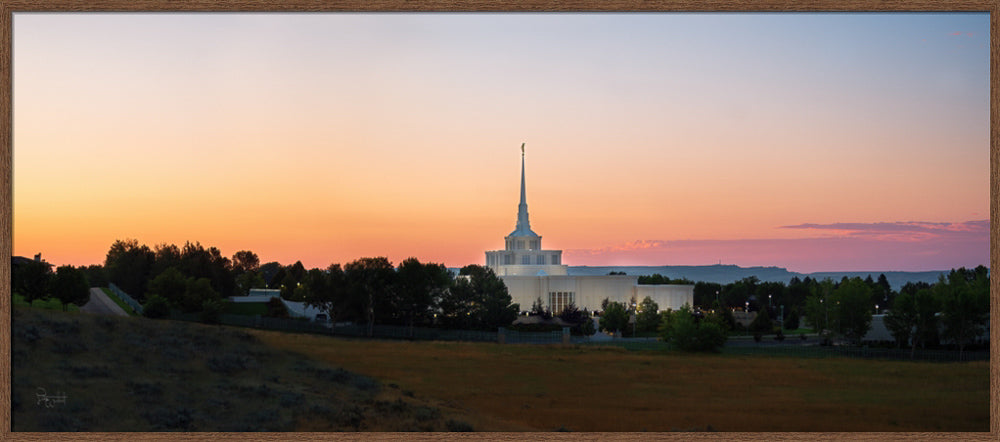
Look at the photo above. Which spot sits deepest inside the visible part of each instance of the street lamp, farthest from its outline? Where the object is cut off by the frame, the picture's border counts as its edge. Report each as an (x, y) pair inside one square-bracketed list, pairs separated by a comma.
[(746, 316), (635, 318), (826, 312), (876, 309), (769, 300)]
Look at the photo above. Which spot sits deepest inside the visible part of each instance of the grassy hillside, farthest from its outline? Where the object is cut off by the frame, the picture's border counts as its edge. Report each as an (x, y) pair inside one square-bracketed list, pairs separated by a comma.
[(136, 374), (609, 389)]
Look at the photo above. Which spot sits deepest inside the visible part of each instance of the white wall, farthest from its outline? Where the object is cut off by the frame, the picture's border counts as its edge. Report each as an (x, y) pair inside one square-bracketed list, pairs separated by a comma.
[(590, 291)]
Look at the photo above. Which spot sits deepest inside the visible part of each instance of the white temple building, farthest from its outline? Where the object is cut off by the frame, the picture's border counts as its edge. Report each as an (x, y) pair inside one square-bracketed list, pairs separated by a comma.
[(531, 272)]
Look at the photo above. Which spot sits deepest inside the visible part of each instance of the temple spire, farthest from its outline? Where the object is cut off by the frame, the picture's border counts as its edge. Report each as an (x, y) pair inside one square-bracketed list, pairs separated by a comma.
[(523, 225), (523, 206)]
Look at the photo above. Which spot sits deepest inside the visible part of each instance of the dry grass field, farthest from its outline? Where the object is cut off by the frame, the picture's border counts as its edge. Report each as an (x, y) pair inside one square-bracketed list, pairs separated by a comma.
[(135, 374), (544, 388)]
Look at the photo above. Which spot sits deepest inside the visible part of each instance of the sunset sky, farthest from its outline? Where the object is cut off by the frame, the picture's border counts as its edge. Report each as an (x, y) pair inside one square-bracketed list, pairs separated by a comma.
[(815, 142)]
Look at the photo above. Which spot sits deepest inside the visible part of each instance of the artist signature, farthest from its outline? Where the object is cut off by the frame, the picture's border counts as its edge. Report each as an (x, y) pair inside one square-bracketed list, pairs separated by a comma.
[(49, 401)]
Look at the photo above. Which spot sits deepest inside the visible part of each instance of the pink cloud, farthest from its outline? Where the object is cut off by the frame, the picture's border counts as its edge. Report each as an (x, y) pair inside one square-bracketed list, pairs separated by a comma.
[(912, 246), (902, 231), (955, 33)]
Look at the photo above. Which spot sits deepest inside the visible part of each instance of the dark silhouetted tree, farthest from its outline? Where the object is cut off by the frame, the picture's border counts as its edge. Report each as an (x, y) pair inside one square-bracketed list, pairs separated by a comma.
[(851, 316), (129, 265), (419, 288), (245, 261), (70, 286), (30, 279), (370, 282)]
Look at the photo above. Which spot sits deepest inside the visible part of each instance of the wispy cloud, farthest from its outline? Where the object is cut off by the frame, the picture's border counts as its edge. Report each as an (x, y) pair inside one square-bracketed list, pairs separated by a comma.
[(843, 246), (955, 33), (902, 231)]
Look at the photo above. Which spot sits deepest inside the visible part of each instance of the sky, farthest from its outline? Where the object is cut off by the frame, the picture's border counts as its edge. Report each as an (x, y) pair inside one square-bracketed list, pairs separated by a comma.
[(814, 142)]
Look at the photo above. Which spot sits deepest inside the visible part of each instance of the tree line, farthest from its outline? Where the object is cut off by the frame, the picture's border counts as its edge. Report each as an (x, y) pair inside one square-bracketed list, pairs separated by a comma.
[(955, 308), (368, 290), (36, 280)]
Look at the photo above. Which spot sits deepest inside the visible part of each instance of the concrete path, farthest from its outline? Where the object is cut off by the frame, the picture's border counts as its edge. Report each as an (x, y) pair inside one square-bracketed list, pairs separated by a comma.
[(100, 304)]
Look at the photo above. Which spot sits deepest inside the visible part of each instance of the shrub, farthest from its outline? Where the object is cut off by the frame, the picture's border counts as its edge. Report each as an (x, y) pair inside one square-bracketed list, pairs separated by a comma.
[(792, 321), (211, 310), (156, 307), (682, 332), (276, 309), (458, 426), (762, 323)]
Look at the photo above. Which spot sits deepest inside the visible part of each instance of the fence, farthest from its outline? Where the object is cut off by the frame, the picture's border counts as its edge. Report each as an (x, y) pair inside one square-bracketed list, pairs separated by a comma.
[(505, 336), (126, 298), (819, 351), (349, 330)]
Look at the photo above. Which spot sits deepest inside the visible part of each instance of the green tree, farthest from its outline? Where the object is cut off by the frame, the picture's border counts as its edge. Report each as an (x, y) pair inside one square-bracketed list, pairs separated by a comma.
[(964, 306), (268, 271), (648, 318), (883, 292), (614, 318), (129, 265), (245, 261), (587, 327), (496, 307), (165, 257), (211, 311), (539, 309), (276, 309), (478, 300), (578, 319), (683, 332), (196, 292), (371, 281), (70, 286), (926, 330), (96, 275), (30, 279), (199, 262), (818, 308), (724, 316), (170, 285), (249, 280), (852, 316), (902, 319), (156, 307), (335, 300), (792, 320), (707, 293), (762, 323), (420, 287)]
